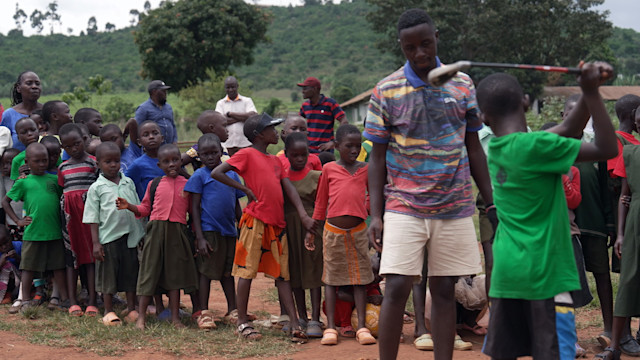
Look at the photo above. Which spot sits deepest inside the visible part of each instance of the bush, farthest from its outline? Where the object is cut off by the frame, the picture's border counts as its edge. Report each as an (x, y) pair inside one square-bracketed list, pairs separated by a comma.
[(117, 110)]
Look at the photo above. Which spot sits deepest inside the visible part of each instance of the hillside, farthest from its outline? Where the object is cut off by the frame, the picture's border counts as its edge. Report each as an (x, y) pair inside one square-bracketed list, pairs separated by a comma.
[(333, 42)]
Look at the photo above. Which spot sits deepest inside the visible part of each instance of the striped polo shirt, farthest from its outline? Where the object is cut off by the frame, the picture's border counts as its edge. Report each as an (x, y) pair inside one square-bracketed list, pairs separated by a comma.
[(77, 176), (424, 126), (320, 118)]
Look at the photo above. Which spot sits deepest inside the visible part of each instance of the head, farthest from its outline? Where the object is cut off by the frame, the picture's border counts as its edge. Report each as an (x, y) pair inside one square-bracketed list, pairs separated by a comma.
[(499, 96), (296, 148), (158, 91), (27, 87), (7, 158), (231, 87), (625, 107), (150, 136), (91, 118), (36, 116), (310, 87), (53, 149), (27, 131), (111, 132), (169, 159), (212, 122), (86, 135), (210, 150), (293, 123), (37, 158), (108, 156), (72, 140), (418, 39), (348, 142), (569, 104), (260, 128), (56, 113)]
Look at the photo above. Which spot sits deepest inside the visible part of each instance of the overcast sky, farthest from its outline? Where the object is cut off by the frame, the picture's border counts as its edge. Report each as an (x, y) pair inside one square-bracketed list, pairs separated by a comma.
[(76, 13)]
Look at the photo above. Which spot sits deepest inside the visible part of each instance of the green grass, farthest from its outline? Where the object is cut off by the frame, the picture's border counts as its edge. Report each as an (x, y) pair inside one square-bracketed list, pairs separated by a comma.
[(55, 328)]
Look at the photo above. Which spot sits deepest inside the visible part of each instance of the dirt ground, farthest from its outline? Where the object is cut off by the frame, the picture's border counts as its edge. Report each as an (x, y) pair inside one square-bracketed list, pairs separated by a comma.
[(13, 346)]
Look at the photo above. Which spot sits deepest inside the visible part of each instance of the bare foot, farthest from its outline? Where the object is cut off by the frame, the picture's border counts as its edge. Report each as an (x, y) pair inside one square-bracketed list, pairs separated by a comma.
[(140, 322), (178, 324)]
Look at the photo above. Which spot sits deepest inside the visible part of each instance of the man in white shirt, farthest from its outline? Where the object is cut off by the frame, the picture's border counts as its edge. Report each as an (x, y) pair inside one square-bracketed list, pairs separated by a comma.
[(236, 108)]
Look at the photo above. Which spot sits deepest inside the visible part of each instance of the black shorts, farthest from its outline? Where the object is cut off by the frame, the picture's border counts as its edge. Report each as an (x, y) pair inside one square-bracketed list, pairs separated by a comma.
[(119, 270), (543, 329)]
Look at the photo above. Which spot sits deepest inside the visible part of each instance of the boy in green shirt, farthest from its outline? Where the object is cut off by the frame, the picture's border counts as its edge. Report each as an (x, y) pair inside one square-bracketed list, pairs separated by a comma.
[(534, 268), (42, 247)]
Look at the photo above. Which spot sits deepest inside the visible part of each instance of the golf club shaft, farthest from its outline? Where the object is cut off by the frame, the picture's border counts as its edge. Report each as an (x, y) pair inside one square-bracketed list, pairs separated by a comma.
[(568, 70)]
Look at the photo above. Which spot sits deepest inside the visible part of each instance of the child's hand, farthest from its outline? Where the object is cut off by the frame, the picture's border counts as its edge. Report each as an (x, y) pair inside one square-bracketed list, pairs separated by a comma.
[(122, 204), (625, 200), (3, 259), (375, 233), (310, 241), (250, 196), (98, 252), (12, 254), (23, 171), (617, 247), (308, 223), (593, 75), (204, 248), (24, 221)]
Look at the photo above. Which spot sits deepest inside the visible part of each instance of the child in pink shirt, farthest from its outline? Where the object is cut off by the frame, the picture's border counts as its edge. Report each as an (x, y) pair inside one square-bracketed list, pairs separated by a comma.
[(167, 260)]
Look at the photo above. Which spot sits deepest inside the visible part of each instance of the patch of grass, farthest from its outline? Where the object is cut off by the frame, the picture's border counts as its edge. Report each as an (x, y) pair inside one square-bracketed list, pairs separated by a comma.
[(61, 330)]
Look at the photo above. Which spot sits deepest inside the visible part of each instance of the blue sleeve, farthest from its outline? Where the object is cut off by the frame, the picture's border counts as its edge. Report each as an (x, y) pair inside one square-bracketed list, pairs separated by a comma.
[(140, 114), (65, 156), (133, 172), (17, 245), (195, 184), (236, 177)]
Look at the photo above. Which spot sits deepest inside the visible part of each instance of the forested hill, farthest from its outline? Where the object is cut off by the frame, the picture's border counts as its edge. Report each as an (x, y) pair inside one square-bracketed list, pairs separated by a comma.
[(333, 42)]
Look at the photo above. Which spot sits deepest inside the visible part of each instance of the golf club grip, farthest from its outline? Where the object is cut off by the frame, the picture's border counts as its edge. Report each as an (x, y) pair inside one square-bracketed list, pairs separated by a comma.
[(568, 70)]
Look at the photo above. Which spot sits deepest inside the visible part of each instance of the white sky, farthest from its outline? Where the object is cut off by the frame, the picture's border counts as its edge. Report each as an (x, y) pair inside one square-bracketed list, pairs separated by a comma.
[(76, 13)]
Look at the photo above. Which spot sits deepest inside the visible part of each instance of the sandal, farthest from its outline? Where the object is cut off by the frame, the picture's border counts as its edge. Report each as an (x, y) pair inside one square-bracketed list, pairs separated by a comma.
[(424, 342), (38, 299), (131, 316), (629, 346), (91, 311), (15, 308), (461, 345), (329, 337), (364, 337), (248, 332), (314, 329), (615, 354), (299, 336), (282, 322), (580, 351), (347, 331), (205, 320), (476, 329), (111, 319), (54, 303), (26, 304), (75, 310)]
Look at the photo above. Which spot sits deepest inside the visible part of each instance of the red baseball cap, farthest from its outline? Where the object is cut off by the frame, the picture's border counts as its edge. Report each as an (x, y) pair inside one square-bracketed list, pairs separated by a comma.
[(311, 81)]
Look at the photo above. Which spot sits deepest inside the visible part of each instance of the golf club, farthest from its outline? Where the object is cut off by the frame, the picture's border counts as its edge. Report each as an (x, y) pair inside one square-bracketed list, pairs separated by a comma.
[(444, 73)]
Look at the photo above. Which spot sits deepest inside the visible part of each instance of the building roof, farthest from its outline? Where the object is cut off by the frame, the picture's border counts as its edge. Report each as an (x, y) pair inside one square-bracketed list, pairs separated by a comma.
[(607, 92), (357, 99)]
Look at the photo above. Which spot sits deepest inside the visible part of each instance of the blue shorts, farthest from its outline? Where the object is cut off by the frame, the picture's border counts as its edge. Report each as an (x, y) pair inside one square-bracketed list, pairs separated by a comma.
[(543, 329)]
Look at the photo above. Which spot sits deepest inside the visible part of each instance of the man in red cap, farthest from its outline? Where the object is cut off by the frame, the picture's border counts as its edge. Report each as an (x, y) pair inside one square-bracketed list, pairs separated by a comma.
[(320, 112)]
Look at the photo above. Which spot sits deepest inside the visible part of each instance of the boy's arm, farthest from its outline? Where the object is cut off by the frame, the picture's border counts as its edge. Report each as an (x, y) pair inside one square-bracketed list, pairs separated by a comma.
[(219, 173), (6, 205), (623, 210), (293, 195), (131, 130), (377, 179), (203, 247), (98, 251)]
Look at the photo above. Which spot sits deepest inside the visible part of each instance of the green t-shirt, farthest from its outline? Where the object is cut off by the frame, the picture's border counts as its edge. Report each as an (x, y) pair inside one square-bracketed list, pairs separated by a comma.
[(533, 254), (41, 196)]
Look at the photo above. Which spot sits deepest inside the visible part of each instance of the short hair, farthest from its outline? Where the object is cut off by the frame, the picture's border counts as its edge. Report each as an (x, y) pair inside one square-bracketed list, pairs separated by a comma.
[(11, 152), (548, 125), (50, 139), (109, 127), (346, 129), (23, 120), (413, 17), (626, 105), (83, 115), (499, 94), (106, 147), (147, 122), (209, 138), (49, 108), (295, 138), (67, 129), (168, 147), (84, 129), (37, 112), (250, 126), (32, 147)]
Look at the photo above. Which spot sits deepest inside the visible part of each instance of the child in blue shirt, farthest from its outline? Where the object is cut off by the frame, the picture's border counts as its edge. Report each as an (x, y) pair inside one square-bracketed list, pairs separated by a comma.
[(214, 226), (145, 168)]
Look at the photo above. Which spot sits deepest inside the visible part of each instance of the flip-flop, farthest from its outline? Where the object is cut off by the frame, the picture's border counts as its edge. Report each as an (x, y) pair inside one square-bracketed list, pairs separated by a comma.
[(314, 329), (91, 311), (364, 337), (54, 303), (131, 316), (111, 319), (75, 310), (248, 332), (329, 337), (15, 308), (424, 342), (347, 331)]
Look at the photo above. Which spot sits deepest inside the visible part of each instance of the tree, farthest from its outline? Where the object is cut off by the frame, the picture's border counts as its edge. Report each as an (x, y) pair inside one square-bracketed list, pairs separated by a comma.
[(147, 6), (36, 19), (109, 27), (179, 41), (550, 32), (52, 15), (20, 17), (92, 26), (135, 16)]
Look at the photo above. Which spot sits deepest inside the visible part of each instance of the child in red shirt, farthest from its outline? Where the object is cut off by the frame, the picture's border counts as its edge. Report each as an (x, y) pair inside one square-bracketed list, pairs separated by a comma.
[(167, 261), (343, 187), (262, 246)]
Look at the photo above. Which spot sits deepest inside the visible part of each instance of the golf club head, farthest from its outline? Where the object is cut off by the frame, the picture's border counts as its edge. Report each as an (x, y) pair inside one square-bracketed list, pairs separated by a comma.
[(440, 75)]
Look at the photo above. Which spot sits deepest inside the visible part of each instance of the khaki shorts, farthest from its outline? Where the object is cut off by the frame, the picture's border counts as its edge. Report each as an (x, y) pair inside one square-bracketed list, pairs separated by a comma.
[(451, 245)]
